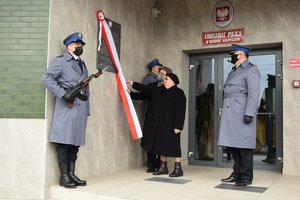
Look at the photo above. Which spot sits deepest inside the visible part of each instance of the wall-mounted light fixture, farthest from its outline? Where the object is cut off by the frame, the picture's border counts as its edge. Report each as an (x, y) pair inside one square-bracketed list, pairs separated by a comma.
[(155, 12)]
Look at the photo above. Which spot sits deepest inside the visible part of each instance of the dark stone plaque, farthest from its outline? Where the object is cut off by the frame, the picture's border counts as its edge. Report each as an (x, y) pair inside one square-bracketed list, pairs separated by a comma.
[(103, 57)]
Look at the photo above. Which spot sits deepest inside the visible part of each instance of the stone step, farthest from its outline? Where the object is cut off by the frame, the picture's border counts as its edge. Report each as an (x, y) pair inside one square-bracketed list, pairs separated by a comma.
[(60, 193)]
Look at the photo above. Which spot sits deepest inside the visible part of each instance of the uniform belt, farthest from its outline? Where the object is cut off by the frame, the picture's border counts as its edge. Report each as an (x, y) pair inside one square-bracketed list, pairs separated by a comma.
[(235, 95)]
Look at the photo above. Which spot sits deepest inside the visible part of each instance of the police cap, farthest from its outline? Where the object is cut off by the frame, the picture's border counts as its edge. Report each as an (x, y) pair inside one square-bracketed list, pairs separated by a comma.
[(235, 48), (74, 37), (154, 63)]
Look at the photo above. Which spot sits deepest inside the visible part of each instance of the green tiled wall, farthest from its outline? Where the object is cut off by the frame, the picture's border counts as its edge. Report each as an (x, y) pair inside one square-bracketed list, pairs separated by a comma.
[(23, 57)]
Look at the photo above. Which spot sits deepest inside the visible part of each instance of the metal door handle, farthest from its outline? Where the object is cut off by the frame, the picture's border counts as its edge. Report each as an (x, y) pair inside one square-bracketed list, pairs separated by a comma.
[(266, 113), (191, 67), (280, 76), (220, 112)]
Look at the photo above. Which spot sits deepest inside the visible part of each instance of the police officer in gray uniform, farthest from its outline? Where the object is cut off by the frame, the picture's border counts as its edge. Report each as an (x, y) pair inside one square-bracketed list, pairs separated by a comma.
[(154, 67), (238, 120), (68, 124)]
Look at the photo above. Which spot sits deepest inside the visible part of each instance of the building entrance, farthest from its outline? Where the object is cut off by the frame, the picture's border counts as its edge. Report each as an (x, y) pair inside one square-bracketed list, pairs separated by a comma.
[(208, 73)]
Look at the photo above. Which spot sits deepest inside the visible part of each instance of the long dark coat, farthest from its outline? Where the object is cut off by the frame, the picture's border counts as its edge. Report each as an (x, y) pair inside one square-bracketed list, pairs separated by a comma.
[(166, 112), (68, 124), (241, 97)]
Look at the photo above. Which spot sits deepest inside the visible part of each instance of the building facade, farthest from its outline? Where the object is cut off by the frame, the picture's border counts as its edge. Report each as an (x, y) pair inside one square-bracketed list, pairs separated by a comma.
[(32, 32)]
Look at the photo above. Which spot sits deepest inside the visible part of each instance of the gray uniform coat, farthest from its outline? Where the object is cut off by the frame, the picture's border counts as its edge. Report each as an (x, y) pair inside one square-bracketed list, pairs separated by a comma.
[(241, 97), (150, 78), (68, 124)]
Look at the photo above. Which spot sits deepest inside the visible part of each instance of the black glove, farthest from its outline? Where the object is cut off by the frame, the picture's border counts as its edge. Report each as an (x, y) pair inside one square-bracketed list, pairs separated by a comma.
[(247, 119), (68, 97)]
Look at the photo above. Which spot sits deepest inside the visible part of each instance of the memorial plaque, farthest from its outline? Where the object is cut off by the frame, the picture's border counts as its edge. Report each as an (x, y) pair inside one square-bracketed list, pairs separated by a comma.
[(103, 57)]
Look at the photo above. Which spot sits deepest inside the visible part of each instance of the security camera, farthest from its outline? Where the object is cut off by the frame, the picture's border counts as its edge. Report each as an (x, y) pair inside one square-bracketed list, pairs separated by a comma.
[(155, 12)]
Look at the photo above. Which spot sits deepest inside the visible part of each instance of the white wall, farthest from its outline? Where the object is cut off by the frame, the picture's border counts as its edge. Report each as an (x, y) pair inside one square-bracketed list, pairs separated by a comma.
[(23, 150)]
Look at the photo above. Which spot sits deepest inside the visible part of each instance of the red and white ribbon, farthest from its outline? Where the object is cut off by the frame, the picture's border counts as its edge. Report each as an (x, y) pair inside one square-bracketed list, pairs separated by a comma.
[(100, 35), (131, 115)]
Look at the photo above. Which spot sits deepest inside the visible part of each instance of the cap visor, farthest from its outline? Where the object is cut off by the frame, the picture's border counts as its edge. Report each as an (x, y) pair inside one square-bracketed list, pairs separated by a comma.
[(79, 41), (232, 52)]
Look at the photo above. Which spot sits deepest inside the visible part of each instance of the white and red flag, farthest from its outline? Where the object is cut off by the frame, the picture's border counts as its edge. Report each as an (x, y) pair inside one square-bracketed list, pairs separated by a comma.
[(104, 31)]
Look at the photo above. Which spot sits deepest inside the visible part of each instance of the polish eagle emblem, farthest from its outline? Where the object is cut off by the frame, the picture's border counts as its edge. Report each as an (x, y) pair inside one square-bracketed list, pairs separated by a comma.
[(222, 14)]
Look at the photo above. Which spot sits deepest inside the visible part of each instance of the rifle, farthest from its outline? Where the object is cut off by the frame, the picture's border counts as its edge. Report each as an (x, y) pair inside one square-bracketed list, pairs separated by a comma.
[(70, 95)]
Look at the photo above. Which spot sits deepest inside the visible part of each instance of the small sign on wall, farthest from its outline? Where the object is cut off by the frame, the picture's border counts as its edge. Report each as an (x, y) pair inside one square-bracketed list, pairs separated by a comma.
[(223, 37), (294, 62)]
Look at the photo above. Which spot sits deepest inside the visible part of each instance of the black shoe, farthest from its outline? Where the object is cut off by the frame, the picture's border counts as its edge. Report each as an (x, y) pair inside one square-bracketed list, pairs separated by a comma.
[(243, 183), (177, 170), (230, 179), (269, 160), (150, 170), (65, 180), (77, 180), (163, 169)]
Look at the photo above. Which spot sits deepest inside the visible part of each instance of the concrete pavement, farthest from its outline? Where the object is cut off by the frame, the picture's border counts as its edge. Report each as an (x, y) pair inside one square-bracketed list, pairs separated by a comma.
[(198, 182)]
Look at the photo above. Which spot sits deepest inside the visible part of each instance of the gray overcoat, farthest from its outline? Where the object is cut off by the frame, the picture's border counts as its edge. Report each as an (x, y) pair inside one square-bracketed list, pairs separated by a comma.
[(241, 97), (68, 124)]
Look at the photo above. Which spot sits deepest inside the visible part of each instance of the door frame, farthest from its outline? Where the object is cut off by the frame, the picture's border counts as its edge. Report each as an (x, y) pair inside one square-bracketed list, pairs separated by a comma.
[(218, 101)]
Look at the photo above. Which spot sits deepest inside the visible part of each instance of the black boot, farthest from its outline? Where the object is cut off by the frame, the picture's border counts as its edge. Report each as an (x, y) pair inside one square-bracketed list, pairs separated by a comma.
[(77, 181), (65, 179), (177, 170), (163, 169)]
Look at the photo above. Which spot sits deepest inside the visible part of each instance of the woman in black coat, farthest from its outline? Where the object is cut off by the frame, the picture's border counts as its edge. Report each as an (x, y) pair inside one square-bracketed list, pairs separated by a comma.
[(164, 122)]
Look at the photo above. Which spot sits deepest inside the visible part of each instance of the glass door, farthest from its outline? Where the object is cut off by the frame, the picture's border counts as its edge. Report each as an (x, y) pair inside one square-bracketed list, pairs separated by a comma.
[(268, 151), (203, 111), (208, 73)]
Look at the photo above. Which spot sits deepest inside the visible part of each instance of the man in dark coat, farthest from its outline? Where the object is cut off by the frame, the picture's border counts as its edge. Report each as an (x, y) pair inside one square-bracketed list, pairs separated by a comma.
[(68, 124), (238, 120), (152, 77), (165, 122)]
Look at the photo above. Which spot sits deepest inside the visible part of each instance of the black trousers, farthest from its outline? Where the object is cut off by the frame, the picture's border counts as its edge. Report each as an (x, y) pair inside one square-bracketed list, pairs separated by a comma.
[(66, 153), (153, 160), (243, 163)]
